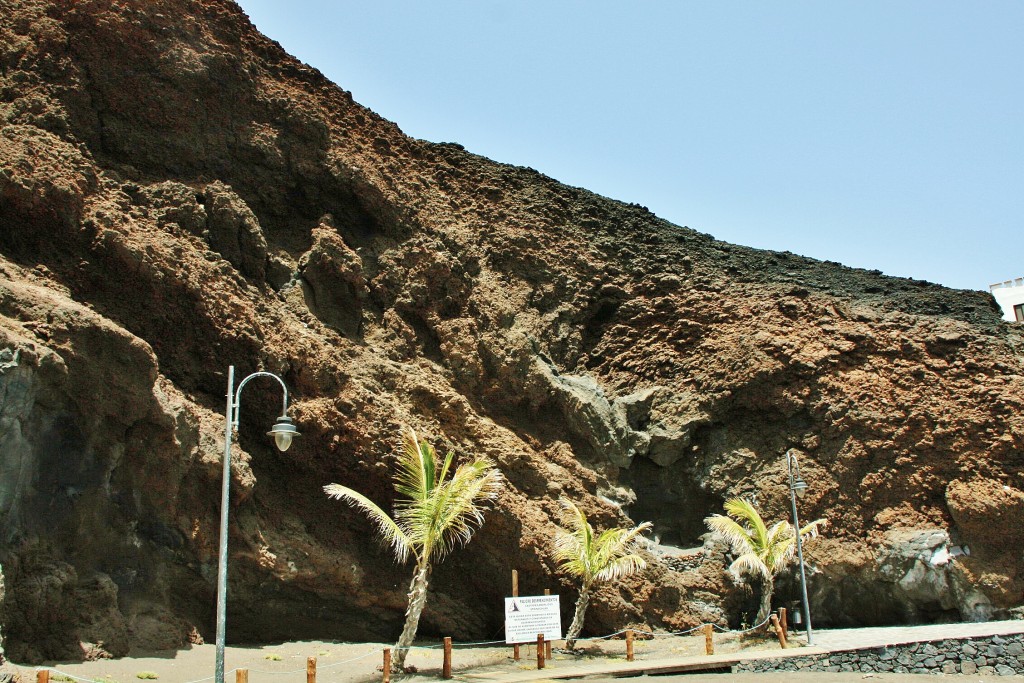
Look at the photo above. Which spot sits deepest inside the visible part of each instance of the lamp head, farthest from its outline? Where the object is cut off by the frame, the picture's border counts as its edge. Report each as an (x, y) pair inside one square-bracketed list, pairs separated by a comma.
[(799, 486), (796, 483), (283, 432)]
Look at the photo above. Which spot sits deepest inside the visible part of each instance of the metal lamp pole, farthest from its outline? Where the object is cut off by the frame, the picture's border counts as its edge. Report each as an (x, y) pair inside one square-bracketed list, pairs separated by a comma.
[(283, 432), (797, 487)]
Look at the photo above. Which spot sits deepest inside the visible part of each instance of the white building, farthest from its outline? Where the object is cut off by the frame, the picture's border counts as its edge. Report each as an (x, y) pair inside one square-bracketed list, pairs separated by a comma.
[(1010, 297)]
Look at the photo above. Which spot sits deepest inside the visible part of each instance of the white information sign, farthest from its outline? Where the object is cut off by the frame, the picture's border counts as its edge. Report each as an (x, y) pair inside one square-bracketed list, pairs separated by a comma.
[(525, 617)]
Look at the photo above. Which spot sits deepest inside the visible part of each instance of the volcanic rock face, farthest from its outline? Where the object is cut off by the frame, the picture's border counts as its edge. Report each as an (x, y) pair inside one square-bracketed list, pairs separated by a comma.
[(178, 195)]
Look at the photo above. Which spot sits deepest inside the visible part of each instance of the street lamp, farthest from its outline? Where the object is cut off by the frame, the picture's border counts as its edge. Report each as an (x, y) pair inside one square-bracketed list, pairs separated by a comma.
[(798, 487), (283, 432)]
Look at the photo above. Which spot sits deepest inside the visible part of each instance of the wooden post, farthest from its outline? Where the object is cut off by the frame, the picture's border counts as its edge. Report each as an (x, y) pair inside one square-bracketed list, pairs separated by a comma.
[(446, 668), (629, 645), (387, 665), (241, 676), (540, 650), (515, 594), (311, 670), (778, 631), (783, 622), (709, 641), (43, 676), (547, 643)]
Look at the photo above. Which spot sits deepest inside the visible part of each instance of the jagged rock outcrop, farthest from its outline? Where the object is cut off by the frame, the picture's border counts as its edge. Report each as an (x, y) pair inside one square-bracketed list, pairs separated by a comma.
[(178, 195)]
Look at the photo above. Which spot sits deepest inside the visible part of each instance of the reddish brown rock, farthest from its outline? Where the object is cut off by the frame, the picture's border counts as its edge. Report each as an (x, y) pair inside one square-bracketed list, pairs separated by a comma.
[(178, 195)]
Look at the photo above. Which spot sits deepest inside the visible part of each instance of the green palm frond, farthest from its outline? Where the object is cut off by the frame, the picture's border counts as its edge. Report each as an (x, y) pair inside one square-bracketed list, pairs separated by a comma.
[(574, 541), (443, 474), (779, 546), (778, 555), (732, 531), (814, 528), (779, 531), (392, 535), (472, 484), (437, 509), (575, 567), (615, 543), (745, 513), (570, 555), (575, 522), (611, 555), (759, 550), (415, 478), (621, 567), (453, 512)]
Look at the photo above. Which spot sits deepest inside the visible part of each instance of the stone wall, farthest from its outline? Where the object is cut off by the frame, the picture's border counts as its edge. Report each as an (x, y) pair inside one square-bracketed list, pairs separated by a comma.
[(993, 655)]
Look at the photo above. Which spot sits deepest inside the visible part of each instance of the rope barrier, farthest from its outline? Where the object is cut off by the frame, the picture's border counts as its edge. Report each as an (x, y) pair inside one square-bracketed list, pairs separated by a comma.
[(67, 675), (320, 667), (354, 659), (481, 644), (669, 634), (754, 628), (210, 678), (459, 646), (610, 635)]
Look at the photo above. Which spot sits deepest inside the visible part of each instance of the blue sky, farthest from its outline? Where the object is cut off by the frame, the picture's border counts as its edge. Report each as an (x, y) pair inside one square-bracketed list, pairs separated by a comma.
[(884, 135)]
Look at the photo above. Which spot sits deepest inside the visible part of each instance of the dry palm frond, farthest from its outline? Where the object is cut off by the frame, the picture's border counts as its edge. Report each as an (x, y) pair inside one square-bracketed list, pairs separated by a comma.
[(437, 509), (392, 535), (609, 556), (759, 550)]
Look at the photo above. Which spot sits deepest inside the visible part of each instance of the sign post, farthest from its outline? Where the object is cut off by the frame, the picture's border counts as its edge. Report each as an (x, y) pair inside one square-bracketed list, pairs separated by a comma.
[(515, 594)]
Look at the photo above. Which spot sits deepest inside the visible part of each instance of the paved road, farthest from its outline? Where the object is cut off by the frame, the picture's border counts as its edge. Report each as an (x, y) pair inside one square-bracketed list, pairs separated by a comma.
[(825, 641), (819, 677), (838, 640)]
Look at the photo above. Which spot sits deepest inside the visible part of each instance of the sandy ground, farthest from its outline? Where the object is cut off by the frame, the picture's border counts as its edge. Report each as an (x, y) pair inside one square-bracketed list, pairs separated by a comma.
[(361, 663)]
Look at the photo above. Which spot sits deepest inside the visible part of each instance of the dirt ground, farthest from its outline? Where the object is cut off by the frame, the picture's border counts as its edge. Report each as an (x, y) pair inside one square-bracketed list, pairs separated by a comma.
[(361, 662), (357, 662)]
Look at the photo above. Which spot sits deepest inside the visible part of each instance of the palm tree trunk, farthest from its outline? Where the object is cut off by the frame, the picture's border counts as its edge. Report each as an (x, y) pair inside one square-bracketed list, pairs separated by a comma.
[(417, 599), (577, 619), (767, 589)]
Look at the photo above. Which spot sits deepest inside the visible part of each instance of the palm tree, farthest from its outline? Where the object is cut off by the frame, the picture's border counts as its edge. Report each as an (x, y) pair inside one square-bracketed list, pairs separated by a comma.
[(594, 559), (760, 551), (435, 513)]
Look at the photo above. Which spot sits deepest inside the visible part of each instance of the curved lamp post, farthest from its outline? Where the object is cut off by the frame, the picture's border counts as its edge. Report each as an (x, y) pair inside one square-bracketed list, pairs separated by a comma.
[(798, 487), (283, 432)]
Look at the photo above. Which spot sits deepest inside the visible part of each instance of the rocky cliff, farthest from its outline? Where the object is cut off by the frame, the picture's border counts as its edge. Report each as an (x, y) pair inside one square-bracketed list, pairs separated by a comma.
[(178, 195)]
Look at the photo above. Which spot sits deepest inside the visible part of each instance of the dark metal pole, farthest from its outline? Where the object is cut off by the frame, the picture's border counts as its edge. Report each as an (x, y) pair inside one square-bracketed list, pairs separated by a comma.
[(222, 563), (231, 422), (790, 458)]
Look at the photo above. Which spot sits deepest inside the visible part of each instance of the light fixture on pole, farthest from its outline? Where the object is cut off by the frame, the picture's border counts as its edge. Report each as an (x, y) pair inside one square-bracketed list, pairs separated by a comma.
[(798, 487), (283, 432)]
